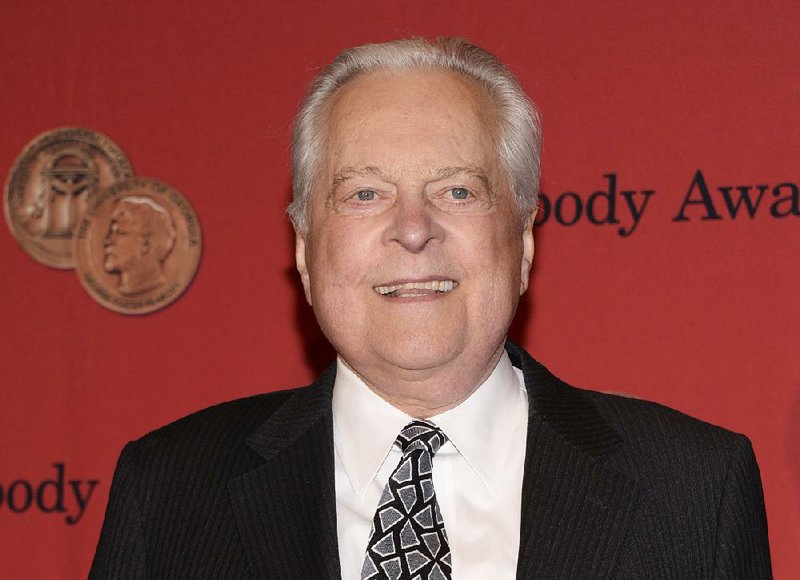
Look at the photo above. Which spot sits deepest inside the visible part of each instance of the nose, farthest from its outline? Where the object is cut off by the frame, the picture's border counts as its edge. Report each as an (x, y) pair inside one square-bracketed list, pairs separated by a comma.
[(414, 224)]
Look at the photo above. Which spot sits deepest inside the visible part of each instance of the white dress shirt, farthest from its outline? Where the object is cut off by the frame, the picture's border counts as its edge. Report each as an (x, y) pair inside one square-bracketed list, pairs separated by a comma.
[(477, 474)]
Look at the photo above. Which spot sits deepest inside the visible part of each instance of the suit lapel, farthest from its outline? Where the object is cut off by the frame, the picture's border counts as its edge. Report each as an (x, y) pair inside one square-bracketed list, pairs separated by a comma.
[(575, 506), (286, 507)]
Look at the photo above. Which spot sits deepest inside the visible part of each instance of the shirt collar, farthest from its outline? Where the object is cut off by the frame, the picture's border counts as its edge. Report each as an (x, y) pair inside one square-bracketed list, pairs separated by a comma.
[(365, 426)]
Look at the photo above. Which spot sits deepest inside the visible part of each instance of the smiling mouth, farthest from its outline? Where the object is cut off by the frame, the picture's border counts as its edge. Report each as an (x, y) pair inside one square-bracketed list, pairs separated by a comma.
[(412, 289)]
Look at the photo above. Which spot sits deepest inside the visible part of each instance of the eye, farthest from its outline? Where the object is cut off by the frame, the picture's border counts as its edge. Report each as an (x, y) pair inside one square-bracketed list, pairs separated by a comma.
[(365, 195), (460, 193)]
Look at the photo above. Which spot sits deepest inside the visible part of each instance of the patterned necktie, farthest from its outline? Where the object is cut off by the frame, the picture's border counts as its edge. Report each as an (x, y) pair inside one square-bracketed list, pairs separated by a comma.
[(408, 540)]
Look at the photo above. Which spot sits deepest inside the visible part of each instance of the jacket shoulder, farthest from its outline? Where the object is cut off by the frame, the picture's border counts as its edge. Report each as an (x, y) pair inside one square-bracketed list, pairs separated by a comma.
[(208, 436), (658, 438), (634, 416), (598, 422)]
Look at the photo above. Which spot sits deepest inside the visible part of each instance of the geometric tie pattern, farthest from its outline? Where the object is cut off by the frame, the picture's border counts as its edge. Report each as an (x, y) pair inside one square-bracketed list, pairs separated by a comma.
[(408, 540)]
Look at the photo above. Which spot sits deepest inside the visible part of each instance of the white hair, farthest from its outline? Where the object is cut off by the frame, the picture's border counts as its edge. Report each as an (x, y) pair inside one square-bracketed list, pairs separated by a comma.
[(519, 128)]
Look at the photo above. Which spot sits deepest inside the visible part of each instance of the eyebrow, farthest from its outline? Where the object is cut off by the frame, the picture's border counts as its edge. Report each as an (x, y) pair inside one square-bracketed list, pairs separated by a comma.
[(349, 173), (471, 170)]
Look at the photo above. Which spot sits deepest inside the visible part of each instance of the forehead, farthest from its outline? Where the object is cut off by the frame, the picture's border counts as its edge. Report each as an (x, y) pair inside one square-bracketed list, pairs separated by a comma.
[(423, 114)]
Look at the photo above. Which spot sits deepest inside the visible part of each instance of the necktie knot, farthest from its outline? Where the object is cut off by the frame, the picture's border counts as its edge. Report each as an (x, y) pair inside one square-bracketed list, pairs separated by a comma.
[(421, 435)]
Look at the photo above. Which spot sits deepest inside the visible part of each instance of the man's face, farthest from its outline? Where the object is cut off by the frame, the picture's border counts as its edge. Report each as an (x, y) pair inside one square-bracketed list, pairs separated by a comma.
[(123, 244), (416, 255)]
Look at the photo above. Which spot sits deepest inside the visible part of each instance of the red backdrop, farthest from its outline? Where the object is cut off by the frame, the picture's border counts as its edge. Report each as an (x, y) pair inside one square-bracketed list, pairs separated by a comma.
[(700, 314)]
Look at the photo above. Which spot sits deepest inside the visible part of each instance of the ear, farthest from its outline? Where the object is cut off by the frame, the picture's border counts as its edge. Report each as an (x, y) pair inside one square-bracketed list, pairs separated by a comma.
[(527, 253), (300, 261)]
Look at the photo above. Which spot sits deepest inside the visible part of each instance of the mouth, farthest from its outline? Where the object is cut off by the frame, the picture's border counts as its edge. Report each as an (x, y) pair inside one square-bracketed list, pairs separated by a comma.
[(414, 289)]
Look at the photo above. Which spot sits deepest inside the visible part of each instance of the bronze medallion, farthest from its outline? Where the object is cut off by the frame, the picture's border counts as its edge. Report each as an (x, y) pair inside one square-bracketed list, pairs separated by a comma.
[(138, 246), (51, 185)]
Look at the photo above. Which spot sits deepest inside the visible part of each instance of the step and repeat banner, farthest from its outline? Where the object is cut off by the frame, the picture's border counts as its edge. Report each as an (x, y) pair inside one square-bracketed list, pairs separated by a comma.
[(667, 240)]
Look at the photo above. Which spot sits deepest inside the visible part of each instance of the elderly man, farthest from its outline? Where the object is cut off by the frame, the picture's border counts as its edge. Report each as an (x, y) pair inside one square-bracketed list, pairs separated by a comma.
[(433, 448)]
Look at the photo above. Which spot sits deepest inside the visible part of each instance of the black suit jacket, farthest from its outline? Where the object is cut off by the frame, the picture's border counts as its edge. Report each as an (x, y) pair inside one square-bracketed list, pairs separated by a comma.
[(613, 488)]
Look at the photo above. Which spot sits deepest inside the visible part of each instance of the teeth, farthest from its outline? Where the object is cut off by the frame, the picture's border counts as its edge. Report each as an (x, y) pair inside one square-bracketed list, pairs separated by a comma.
[(437, 285)]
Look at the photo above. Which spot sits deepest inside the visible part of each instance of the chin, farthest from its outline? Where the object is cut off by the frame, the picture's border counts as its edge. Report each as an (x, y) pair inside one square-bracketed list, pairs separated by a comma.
[(418, 354)]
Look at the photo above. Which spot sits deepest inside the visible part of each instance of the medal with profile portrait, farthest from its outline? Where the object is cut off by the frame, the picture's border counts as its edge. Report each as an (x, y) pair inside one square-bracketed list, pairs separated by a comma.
[(138, 246)]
